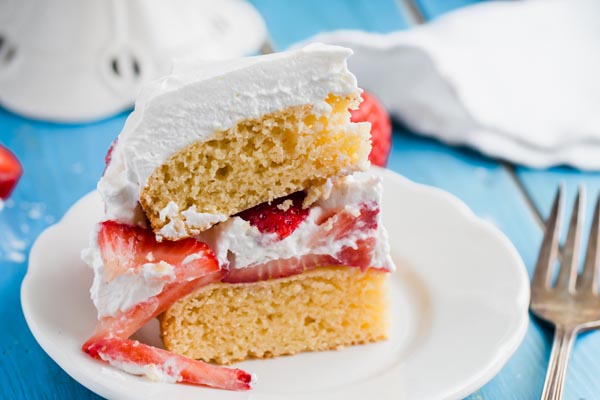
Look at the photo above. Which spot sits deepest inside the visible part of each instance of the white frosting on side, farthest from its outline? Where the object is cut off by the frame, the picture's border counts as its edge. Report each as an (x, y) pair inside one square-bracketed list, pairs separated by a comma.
[(119, 192), (111, 296), (238, 244), (200, 97)]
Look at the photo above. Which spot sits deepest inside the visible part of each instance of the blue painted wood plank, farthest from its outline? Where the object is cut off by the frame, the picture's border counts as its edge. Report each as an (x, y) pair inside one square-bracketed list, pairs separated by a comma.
[(434, 8), (542, 185), (61, 163), (581, 382), (291, 21)]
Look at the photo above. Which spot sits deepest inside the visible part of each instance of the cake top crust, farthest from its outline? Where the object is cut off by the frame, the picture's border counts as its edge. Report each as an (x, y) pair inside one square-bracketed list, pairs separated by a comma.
[(200, 97)]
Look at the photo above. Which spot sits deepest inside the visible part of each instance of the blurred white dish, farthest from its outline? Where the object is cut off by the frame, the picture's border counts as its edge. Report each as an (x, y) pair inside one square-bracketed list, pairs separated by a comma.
[(459, 300), (79, 60)]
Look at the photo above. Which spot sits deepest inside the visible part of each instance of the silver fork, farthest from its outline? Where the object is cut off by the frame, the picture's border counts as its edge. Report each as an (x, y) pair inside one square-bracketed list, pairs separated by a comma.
[(572, 304)]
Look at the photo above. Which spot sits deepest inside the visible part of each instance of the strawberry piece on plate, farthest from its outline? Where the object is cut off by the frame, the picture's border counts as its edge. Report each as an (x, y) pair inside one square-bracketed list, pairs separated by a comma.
[(110, 343), (281, 216), (10, 172), (161, 365), (370, 110), (127, 248)]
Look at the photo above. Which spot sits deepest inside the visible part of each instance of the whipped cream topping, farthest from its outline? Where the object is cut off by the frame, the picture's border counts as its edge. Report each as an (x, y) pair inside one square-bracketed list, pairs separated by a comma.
[(201, 97), (238, 244)]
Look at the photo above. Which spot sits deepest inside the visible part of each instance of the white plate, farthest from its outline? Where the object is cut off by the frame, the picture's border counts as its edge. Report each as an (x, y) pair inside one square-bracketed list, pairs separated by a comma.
[(459, 300)]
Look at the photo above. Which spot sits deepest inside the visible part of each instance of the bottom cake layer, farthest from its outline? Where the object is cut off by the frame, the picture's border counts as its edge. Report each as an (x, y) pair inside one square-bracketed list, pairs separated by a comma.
[(322, 309)]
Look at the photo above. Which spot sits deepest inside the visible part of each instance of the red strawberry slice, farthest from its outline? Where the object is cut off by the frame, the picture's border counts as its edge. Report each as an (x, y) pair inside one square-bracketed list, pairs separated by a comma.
[(10, 172), (370, 110), (126, 248), (337, 227), (346, 221), (126, 323), (153, 361), (281, 216), (361, 257)]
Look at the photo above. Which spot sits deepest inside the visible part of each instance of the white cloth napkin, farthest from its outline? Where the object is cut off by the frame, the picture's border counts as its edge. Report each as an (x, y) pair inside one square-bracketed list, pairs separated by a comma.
[(516, 80)]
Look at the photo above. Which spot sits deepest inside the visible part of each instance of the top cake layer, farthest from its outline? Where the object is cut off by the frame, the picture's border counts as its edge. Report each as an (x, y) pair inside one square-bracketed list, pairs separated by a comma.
[(202, 99)]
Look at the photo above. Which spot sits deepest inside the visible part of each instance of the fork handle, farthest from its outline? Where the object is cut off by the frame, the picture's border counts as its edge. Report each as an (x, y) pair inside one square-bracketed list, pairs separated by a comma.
[(559, 359)]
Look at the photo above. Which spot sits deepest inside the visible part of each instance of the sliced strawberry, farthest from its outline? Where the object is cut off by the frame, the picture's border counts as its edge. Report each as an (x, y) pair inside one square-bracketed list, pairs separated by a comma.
[(370, 110), (151, 361), (346, 222), (281, 216), (127, 323), (10, 172), (361, 257), (110, 343), (126, 248), (342, 224)]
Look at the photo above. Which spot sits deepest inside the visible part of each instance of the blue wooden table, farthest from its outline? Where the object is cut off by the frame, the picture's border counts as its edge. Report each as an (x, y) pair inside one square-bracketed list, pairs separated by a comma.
[(64, 162)]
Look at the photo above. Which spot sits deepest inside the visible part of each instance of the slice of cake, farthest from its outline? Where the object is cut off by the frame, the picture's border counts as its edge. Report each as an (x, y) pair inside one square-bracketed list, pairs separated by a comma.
[(285, 291), (236, 212)]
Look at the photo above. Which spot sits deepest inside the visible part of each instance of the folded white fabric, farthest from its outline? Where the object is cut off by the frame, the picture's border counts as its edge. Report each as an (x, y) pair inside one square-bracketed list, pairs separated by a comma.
[(516, 80)]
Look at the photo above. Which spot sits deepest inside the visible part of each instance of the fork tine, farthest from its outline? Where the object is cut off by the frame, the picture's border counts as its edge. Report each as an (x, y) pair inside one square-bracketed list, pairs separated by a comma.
[(570, 259), (549, 247), (588, 280)]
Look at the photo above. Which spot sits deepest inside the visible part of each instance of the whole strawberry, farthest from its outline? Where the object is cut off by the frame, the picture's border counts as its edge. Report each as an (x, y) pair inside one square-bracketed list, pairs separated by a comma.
[(370, 110), (10, 172)]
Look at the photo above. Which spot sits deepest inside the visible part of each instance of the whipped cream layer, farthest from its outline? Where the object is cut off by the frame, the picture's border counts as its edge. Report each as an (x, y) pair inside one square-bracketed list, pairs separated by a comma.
[(112, 295), (238, 245), (200, 98)]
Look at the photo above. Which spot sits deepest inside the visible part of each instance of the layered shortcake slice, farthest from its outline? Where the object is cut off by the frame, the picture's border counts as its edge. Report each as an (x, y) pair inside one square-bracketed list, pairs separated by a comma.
[(238, 213), (298, 279)]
